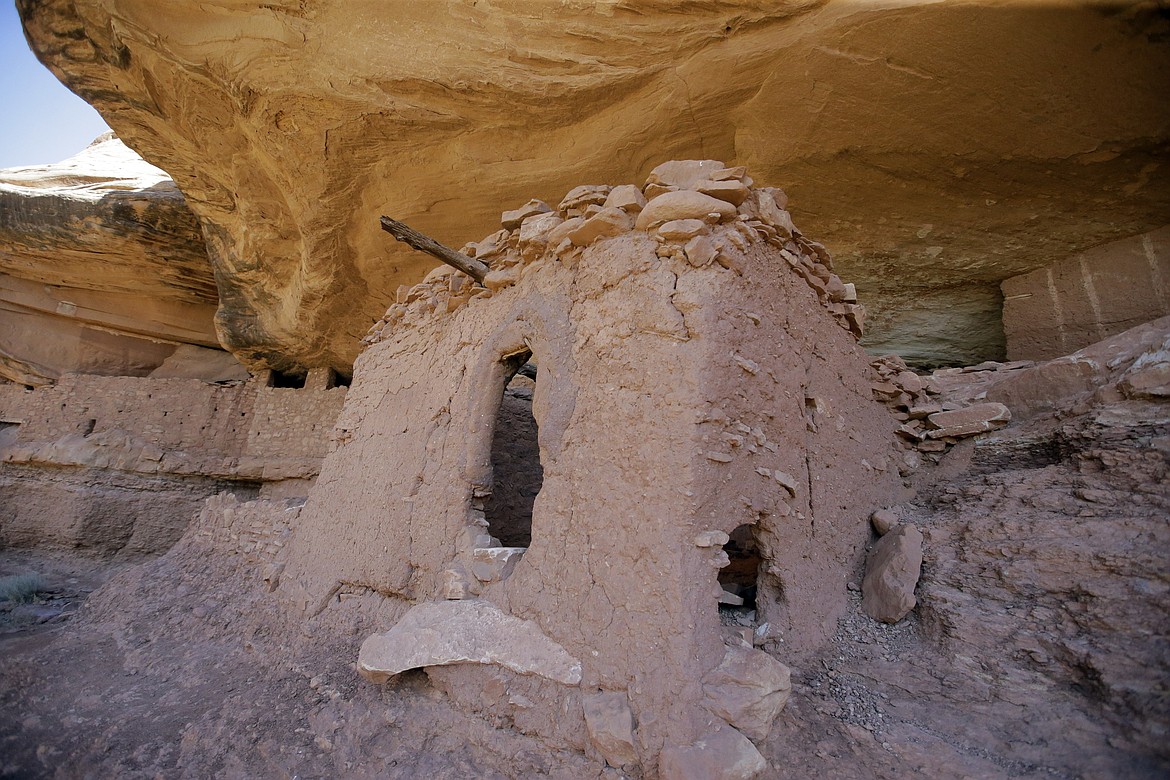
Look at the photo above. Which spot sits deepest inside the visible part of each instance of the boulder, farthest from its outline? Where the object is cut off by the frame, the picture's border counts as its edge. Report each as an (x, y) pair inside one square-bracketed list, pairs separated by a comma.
[(748, 689), (611, 727), (882, 521), (723, 755), (605, 223), (891, 574)]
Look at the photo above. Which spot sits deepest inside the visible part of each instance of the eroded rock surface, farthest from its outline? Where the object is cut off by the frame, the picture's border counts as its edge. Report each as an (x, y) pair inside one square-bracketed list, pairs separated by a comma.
[(103, 268), (1099, 293), (933, 169)]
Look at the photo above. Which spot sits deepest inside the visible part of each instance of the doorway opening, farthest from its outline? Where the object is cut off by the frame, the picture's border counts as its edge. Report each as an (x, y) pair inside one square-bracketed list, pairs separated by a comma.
[(739, 577), (517, 473)]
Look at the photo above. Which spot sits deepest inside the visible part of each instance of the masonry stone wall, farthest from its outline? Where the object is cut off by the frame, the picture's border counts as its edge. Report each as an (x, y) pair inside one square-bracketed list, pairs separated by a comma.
[(120, 464)]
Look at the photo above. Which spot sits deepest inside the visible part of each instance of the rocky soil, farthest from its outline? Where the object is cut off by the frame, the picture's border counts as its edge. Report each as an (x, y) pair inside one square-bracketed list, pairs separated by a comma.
[(1038, 648)]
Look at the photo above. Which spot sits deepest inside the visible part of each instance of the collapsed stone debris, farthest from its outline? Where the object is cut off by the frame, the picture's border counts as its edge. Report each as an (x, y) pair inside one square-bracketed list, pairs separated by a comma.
[(699, 211), (928, 425)]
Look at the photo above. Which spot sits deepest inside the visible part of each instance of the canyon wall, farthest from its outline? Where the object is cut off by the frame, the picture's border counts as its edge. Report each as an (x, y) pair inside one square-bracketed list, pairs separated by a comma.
[(103, 269), (1079, 301), (938, 148), (121, 465)]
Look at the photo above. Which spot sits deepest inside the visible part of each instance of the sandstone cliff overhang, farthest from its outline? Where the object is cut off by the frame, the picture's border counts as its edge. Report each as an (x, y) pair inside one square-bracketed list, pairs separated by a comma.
[(102, 268), (936, 147)]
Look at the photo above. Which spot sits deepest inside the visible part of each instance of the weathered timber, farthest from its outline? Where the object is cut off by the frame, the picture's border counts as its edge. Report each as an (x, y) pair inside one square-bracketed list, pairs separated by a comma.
[(476, 269)]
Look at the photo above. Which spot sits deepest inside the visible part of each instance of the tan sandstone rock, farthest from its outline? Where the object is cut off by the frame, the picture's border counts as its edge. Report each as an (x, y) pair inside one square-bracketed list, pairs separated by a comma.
[(605, 223), (103, 269), (925, 159)]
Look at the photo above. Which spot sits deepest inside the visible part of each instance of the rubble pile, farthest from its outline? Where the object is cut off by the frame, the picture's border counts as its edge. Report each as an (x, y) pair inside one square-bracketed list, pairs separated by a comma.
[(928, 423), (700, 211)]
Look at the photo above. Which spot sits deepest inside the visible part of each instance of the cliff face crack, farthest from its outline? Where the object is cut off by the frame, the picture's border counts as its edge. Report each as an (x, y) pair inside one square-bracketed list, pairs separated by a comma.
[(862, 59), (690, 107), (686, 334)]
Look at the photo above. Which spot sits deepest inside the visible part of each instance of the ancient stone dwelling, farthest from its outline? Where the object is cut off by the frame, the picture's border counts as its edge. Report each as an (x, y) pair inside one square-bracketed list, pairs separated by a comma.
[(696, 382), (607, 501), (645, 493)]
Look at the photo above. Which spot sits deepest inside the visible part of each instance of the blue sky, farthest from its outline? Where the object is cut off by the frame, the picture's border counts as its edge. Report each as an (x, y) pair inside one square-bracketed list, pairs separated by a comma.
[(42, 121)]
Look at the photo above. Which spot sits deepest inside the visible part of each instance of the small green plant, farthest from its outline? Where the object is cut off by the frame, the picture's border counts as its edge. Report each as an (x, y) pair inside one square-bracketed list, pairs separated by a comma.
[(21, 588)]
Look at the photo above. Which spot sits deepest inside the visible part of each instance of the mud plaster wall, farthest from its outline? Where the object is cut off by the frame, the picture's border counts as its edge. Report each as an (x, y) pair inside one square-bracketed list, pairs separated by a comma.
[(666, 397), (124, 463)]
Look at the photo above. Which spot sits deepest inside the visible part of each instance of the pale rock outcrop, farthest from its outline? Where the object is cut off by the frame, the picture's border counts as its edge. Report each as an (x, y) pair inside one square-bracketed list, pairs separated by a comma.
[(457, 632), (905, 147), (103, 268), (891, 574), (1149, 376)]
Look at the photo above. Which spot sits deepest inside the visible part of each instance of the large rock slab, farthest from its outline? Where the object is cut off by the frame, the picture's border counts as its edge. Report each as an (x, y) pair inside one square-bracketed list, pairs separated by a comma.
[(103, 268), (932, 170), (459, 632)]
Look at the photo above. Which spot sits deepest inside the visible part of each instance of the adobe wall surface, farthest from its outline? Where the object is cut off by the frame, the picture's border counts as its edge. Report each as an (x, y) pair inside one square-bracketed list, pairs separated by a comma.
[(123, 463), (1077, 302), (677, 396)]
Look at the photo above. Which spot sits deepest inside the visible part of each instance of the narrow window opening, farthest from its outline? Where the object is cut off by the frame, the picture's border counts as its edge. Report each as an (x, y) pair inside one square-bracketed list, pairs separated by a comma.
[(8, 432), (517, 473), (286, 379), (341, 380), (739, 577)]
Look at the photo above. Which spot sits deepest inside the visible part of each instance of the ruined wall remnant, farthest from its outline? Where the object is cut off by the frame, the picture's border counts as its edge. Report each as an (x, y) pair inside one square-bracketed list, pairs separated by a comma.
[(122, 464), (1079, 301), (695, 372)]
